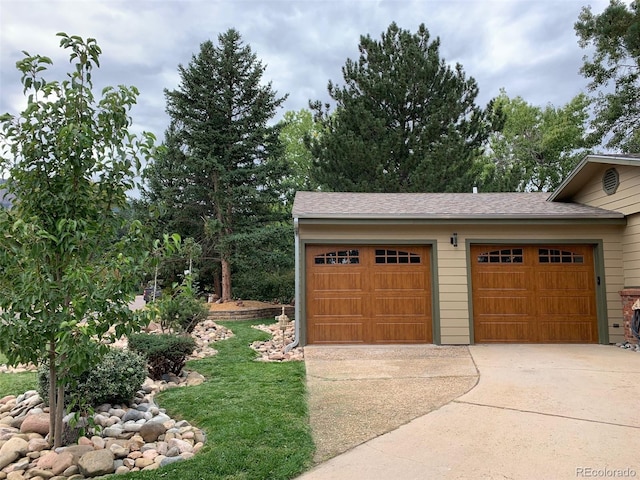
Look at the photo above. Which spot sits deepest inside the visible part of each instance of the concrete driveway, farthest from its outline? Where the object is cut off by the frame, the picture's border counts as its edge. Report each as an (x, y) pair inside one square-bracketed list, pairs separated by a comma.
[(538, 411)]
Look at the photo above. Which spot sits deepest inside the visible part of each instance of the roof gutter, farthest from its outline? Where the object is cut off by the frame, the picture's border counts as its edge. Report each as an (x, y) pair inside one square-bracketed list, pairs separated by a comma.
[(296, 336)]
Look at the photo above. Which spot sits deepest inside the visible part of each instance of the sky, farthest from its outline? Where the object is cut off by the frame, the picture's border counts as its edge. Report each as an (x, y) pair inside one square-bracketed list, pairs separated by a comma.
[(527, 47)]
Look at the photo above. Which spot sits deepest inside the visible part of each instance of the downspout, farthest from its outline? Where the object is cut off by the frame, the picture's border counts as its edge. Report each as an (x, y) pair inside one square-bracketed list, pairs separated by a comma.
[(296, 338)]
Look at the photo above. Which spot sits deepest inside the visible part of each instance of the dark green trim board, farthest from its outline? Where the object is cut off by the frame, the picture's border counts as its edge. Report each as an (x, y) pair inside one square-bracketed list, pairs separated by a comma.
[(599, 271), (467, 252), (601, 293), (435, 288)]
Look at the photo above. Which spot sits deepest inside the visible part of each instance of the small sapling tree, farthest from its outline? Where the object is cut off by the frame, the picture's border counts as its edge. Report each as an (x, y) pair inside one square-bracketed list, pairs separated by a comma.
[(73, 261)]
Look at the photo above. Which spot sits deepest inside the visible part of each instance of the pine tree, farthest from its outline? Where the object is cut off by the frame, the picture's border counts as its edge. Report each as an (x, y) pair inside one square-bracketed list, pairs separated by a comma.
[(405, 121), (227, 158)]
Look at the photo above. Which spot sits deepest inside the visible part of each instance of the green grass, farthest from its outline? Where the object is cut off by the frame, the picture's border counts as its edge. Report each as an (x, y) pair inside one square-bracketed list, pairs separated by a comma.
[(254, 414), (17, 383)]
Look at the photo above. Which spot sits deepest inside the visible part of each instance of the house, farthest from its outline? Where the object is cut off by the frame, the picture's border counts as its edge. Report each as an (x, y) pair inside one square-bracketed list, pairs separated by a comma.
[(463, 268)]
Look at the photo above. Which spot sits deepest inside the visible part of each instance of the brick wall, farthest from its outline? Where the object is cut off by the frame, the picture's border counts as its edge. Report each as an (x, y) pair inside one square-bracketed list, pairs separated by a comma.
[(628, 297)]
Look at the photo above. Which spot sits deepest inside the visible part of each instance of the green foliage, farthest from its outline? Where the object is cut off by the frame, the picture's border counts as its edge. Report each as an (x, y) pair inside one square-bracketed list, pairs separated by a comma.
[(73, 261), (165, 353), (405, 120), (223, 156), (179, 308), (537, 147), (614, 71), (298, 129), (114, 379), (270, 252), (255, 415)]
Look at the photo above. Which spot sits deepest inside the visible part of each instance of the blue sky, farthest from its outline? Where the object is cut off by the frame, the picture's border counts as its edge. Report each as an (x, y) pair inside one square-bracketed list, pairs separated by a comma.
[(527, 47)]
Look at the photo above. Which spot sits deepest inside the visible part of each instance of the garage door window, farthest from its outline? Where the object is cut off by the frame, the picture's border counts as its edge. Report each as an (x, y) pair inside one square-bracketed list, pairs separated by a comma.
[(384, 256), (548, 255), (505, 255), (338, 257)]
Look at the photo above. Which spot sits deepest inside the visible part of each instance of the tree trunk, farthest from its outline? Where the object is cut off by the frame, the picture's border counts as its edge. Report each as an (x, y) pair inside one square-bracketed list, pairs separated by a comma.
[(57, 441), (52, 392), (226, 279)]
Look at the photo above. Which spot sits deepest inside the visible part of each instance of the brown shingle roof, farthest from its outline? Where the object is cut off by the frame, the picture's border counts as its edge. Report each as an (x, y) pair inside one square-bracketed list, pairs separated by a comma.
[(441, 206)]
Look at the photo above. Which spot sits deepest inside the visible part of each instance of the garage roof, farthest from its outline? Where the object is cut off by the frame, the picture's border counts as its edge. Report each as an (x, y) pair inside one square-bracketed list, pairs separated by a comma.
[(588, 168), (441, 206)]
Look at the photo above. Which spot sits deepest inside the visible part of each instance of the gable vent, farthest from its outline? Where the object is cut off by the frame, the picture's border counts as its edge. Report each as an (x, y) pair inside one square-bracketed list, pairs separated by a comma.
[(610, 181)]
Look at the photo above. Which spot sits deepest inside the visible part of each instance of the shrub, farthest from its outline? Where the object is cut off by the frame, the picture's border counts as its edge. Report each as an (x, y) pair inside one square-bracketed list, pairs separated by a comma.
[(115, 379), (180, 309), (278, 286), (165, 353), (181, 312)]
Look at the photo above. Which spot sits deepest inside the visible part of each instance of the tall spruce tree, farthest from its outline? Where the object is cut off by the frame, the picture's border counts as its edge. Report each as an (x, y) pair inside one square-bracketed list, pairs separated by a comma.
[(405, 121), (226, 157)]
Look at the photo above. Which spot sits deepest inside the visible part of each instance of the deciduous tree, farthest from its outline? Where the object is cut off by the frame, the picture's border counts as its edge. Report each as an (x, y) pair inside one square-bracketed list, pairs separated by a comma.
[(614, 71), (537, 147), (298, 128), (73, 263)]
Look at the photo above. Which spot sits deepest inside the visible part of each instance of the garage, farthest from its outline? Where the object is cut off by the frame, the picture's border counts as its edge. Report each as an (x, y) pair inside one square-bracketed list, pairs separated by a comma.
[(368, 294), (534, 294)]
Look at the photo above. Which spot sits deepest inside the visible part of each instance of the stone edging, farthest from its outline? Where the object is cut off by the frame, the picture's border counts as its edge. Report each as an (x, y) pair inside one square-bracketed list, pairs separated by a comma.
[(252, 313)]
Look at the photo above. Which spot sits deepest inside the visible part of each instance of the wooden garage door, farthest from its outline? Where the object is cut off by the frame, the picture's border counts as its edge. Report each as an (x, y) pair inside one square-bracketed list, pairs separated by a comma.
[(534, 294), (368, 294)]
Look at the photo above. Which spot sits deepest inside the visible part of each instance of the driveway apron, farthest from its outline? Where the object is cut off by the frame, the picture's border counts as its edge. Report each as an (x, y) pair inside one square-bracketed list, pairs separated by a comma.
[(538, 411)]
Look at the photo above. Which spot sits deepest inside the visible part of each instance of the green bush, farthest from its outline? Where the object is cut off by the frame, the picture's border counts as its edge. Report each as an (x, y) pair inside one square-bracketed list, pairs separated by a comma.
[(181, 312), (165, 353), (179, 308), (115, 379), (275, 286)]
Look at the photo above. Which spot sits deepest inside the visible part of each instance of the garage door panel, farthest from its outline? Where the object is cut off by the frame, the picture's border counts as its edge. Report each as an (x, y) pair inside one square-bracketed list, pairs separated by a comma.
[(565, 305), (337, 281), (400, 306), (500, 331), (368, 294), (399, 281), (566, 280), (338, 307), (337, 332), (401, 332), (567, 332), (496, 280), (507, 305), (548, 295)]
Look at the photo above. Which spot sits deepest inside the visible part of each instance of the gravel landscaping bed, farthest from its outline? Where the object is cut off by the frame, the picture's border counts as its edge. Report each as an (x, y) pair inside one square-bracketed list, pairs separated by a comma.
[(139, 436)]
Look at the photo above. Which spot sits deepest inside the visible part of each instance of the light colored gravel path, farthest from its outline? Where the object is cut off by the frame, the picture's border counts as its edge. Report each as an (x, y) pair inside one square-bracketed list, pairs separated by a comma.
[(357, 393)]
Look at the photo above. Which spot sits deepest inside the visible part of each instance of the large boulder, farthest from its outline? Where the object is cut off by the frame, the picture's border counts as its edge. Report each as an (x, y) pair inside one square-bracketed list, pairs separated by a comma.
[(77, 451), (150, 431), (96, 463), (36, 423), (11, 450)]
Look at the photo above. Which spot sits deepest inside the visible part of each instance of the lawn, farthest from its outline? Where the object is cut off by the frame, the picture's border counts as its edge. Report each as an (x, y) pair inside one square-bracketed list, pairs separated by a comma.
[(254, 414)]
